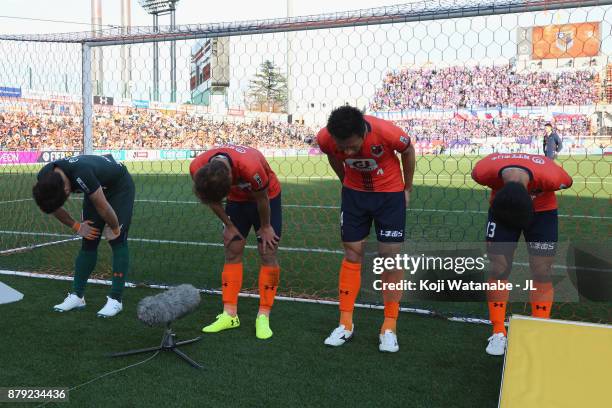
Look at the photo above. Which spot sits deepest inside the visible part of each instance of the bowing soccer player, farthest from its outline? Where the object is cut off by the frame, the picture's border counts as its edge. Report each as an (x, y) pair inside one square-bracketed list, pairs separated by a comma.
[(243, 176), (522, 201), (363, 151), (108, 203)]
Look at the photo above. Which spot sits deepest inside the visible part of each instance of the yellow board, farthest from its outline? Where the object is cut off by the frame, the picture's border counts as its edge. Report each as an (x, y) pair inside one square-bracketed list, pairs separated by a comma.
[(557, 364)]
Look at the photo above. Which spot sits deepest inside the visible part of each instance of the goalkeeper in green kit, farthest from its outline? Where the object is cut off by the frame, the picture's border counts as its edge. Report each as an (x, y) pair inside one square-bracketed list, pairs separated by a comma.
[(107, 210)]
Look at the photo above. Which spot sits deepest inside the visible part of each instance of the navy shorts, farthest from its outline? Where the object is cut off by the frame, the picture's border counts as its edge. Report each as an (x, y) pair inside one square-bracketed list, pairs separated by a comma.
[(359, 208), (541, 236), (244, 215)]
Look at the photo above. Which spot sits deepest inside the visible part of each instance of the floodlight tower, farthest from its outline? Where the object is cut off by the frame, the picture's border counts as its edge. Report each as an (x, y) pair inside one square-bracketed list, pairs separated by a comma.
[(97, 56), (126, 55), (157, 8), (289, 108)]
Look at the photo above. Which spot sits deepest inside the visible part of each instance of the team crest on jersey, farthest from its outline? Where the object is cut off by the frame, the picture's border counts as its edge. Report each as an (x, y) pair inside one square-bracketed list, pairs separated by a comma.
[(377, 150), (537, 160), (236, 148)]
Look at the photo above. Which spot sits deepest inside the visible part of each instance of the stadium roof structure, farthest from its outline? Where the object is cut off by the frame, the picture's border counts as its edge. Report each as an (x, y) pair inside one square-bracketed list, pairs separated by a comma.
[(416, 11)]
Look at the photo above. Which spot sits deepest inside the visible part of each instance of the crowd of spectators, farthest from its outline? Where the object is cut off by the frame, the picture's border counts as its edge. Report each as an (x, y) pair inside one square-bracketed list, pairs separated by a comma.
[(522, 129), (503, 134), (151, 129), (459, 87), (40, 126), (52, 126), (48, 125)]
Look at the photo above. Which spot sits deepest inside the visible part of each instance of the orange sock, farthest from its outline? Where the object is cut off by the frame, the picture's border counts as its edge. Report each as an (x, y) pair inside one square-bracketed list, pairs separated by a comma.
[(268, 283), (542, 299), (391, 313), (348, 288), (231, 281), (497, 300)]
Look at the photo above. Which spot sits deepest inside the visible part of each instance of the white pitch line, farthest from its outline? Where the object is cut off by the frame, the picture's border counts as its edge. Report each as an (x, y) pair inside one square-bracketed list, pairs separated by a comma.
[(36, 246), (167, 201), (464, 179), (217, 244), (419, 311), (15, 201), (334, 177), (41, 234), (336, 207), (213, 244), (173, 242)]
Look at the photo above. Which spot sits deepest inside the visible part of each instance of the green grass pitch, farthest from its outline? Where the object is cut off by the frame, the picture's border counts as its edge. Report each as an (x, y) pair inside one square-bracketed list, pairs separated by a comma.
[(176, 240)]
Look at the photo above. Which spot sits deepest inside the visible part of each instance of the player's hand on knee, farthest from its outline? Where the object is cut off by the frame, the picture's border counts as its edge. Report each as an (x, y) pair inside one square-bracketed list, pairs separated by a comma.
[(268, 238), (110, 233), (86, 230), (230, 234)]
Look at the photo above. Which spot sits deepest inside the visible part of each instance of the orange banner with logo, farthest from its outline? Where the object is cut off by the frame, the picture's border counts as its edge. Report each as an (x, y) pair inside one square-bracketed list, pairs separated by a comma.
[(566, 41)]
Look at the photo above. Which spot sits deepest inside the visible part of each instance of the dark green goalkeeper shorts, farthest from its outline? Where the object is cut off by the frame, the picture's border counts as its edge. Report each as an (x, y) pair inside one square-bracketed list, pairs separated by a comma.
[(121, 198)]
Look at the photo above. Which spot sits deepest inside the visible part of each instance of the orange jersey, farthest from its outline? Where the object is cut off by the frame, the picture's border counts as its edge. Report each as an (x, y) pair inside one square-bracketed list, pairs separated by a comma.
[(545, 176), (376, 166), (250, 171)]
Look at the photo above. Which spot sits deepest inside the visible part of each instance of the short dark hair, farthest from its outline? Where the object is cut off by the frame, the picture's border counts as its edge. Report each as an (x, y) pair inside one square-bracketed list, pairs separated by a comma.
[(212, 182), (49, 192), (345, 122), (548, 124), (512, 206)]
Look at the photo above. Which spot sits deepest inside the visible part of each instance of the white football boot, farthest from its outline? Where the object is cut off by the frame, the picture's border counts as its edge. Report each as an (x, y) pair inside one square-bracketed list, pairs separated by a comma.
[(497, 344), (388, 342), (339, 336), (72, 302), (111, 308)]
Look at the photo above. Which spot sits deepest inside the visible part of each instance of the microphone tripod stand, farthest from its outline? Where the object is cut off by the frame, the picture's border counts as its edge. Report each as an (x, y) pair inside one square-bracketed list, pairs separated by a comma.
[(168, 343)]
